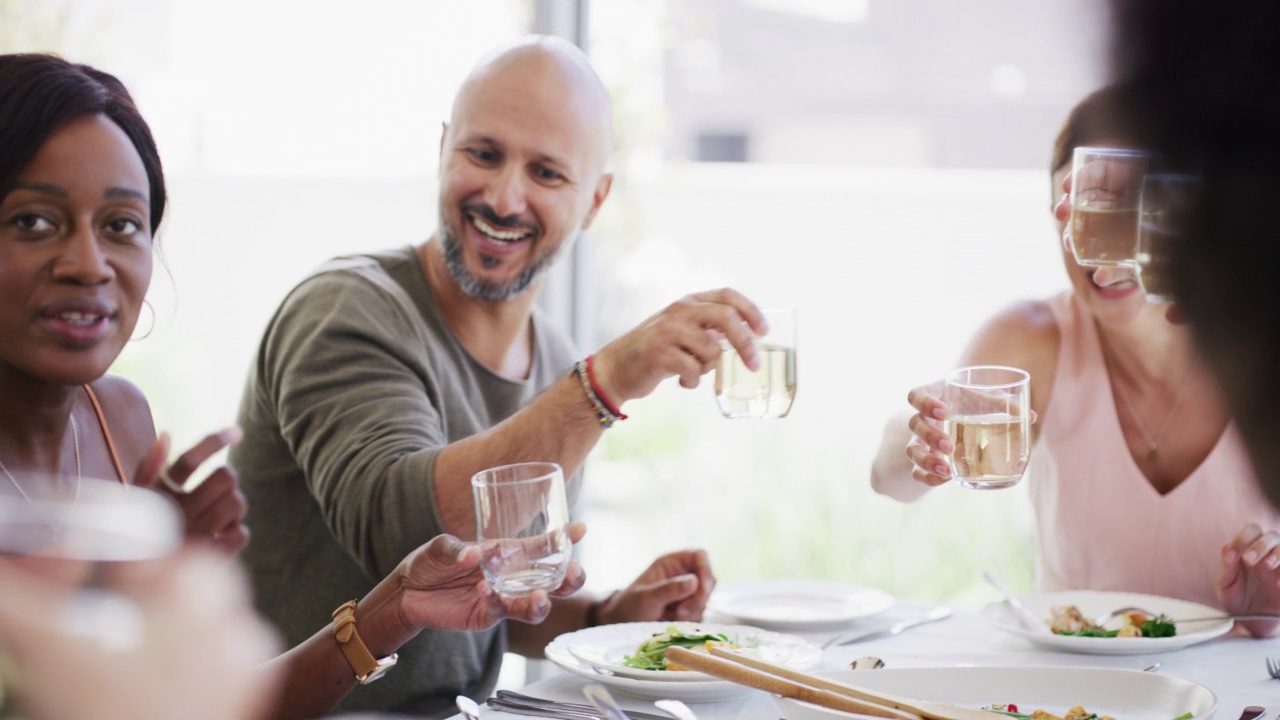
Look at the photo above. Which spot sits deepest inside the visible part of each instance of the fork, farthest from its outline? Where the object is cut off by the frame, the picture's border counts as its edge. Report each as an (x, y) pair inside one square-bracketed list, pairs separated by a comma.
[(1273, 667)]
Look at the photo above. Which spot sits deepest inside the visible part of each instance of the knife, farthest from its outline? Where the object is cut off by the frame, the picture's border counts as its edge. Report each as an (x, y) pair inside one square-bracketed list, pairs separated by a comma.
[(938, 613), (509, 700)]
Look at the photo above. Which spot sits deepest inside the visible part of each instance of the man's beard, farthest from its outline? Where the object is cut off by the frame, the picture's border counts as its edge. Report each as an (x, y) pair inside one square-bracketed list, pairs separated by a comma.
[(481, 289)]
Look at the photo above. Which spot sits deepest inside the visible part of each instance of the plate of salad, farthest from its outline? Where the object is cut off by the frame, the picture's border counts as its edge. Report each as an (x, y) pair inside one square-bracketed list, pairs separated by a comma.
[(628, 657), (1066, 622), (1016, 693)]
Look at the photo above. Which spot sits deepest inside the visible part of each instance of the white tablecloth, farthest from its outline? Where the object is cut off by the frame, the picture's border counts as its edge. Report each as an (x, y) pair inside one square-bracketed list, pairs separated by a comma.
[(1232, 667)]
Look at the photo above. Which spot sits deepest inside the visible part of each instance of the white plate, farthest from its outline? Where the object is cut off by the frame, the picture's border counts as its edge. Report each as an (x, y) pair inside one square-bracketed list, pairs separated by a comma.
[(1122, 694), (797, 605), (1094, 603), (610, 643)]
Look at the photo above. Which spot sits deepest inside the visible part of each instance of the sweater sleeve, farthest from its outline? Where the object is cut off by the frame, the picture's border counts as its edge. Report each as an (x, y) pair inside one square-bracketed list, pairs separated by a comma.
[(344, 365)]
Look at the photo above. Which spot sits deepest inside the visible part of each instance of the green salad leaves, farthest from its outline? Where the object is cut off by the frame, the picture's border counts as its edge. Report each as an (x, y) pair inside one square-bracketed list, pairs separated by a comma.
[(649, 656)]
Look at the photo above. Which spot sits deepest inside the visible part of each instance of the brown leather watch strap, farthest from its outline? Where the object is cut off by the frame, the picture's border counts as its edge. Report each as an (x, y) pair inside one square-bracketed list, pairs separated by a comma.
[(362, 662)]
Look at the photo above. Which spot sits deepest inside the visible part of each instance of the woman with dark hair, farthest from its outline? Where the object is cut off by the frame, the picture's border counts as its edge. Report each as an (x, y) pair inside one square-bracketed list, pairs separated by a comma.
[(73, 275), (81, 196), (1138, 477)]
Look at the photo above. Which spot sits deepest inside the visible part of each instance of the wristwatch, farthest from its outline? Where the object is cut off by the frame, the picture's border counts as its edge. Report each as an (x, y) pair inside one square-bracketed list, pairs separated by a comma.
[(363, 664)]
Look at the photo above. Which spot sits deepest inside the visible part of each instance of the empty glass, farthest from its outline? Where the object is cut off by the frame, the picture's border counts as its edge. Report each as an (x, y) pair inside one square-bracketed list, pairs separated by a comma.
[(769, 391), (989, 424), (522, 520), (1105, 186)]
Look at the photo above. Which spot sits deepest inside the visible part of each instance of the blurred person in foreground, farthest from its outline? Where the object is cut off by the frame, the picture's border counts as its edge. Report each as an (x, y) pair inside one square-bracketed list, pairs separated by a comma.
[(82, 193), (384, 382), (1138, 478), (1205, 75)]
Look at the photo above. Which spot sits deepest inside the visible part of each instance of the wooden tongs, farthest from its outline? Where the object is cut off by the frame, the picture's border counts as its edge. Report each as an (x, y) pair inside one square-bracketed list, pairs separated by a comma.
[(737, 668)]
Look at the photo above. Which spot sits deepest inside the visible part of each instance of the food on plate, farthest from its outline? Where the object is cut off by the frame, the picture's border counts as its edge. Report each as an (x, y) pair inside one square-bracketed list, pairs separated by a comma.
[(1075, 713), (1068, 620), (649, 656)]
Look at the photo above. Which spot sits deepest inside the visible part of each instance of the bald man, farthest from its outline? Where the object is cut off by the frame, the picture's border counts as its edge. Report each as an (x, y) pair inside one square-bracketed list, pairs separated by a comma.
[(385, 381)]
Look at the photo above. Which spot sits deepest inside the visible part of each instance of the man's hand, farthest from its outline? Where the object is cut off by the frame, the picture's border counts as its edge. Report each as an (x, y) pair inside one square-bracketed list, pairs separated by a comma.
[(675, 587), (682, 340), (213, 511), (444, 588)]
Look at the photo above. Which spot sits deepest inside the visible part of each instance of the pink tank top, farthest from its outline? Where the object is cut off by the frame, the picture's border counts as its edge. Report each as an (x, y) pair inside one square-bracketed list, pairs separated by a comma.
[(1101, 524)]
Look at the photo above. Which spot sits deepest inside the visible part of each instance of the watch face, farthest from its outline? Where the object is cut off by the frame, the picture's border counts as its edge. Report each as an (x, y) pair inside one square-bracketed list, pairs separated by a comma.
[(384, 665)]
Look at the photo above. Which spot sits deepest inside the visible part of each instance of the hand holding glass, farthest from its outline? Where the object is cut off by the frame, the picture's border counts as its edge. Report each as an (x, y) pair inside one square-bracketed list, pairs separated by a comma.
[(989, 424), (1165, 209), (522, 520), (1105, 185), (769, 391)]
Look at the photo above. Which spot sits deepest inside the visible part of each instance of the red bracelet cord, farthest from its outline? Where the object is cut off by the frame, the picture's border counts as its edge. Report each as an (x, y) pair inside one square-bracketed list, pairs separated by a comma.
[(595, 386)]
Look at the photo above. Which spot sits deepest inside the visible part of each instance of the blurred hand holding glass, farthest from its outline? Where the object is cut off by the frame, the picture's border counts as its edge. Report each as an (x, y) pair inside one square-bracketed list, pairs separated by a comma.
[(769, 391), (989, 424), (1165, 209), (1105, 187), (522, 519)]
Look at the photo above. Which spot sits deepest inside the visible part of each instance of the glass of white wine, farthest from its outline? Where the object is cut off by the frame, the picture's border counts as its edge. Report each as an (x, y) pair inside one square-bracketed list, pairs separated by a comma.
[(769, 391), (1166, 204), (1105, 186), (989, 424), (522, 526)]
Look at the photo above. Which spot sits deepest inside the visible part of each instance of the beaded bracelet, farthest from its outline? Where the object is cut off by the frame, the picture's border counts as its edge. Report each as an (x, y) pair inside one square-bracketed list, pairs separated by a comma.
[(604, 414)]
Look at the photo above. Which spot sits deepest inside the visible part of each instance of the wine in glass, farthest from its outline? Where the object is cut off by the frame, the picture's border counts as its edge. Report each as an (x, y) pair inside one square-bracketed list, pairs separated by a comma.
[(989, 424), (1105, 185), (769, 391)]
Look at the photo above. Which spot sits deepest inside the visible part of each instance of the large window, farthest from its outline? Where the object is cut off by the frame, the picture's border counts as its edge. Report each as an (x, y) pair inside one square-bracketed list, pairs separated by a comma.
[(880, 166)]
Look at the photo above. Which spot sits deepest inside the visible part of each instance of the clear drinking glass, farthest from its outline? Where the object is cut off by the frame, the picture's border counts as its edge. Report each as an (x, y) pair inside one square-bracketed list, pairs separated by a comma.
[(770, 391), (522, 521), (1105, 186), (79, 534), (1166, 204), (989, 424)]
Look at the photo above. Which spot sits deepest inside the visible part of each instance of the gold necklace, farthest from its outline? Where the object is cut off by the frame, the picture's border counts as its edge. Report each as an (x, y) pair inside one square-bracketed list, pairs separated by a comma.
[(75, 445), (1153, 445)]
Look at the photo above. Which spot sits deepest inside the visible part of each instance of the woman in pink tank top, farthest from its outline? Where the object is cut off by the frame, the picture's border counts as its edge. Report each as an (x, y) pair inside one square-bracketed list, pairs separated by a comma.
[(1138, 478)]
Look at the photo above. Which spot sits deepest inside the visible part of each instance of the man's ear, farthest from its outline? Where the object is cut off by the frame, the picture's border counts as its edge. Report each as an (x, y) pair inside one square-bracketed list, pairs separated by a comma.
[(444, 134), (597, 198)]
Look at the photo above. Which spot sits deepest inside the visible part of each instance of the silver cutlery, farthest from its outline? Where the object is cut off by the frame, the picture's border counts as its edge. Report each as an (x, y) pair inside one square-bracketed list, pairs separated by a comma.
[(1273, 667), (467, 707), (604, 702), (509, 700), (938, 613), (678, 710), (1031, 621)]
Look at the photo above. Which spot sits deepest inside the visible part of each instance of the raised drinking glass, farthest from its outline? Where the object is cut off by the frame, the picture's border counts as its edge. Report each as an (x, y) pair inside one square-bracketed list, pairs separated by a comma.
[(989, 424), (769, 391), (1105, 186), (522, 526), (1166, 204)]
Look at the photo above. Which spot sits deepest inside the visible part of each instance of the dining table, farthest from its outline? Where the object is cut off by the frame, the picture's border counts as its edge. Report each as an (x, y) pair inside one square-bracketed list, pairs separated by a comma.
[(1232, 666)]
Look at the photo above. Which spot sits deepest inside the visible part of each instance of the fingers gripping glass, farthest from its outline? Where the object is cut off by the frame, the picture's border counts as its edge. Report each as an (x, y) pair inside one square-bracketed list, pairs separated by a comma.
[(1105, 186), (769, 391), (989, 425), (522, 526)]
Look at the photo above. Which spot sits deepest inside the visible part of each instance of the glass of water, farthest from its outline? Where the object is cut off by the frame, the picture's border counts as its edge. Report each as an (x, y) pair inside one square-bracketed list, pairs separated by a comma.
[(1105, 186), (522, 526), (769, 391), (989, 424)]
